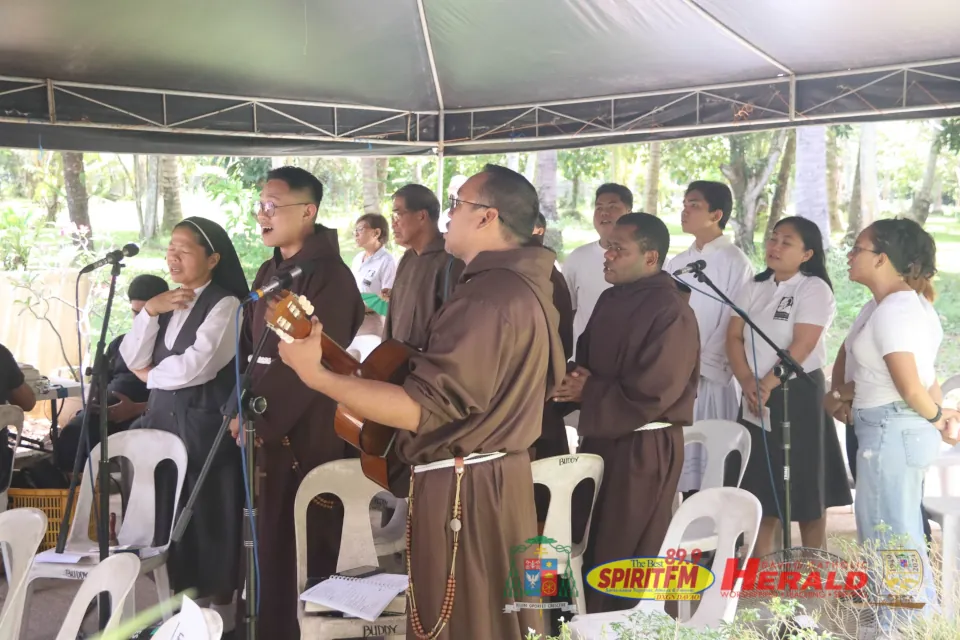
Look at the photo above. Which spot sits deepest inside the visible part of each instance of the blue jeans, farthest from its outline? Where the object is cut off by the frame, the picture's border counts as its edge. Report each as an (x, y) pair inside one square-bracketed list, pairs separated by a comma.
[(896, 447)]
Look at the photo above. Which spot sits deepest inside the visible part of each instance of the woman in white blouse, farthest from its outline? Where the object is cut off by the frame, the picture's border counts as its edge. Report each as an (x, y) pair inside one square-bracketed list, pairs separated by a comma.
[(896, 397), (374, 268), (792, 302), (182, 345)]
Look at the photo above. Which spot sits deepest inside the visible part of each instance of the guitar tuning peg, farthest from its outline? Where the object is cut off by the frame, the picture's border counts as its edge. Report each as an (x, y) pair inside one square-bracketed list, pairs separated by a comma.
[(306, 305), (282, 335)]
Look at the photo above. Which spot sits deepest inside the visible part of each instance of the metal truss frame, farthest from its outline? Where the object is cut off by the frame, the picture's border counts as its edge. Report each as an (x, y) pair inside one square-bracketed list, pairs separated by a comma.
[(922, 89)]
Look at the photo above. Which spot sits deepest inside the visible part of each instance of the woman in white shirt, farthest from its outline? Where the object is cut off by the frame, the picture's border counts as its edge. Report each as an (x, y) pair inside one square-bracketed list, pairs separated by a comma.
[(182, 345), (792, 302), (374, 268), (896, 397)]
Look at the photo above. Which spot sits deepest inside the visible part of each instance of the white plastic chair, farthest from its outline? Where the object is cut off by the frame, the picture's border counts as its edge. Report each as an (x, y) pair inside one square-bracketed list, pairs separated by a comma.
[(389, 538), (116, 575), (361, 346), (344, 479), (145, 449), (941, 499), (10, 416), (21, 532), (211, 617), (736, 512), (561, 475)]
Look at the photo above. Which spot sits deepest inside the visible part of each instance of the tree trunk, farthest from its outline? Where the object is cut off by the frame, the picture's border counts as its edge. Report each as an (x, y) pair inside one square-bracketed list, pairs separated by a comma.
[(546, 183), (417, 170), (149, 230), (811, 186), (652, 186), (869, 198), (748, 183), (936, 205), (371, 190), (855, 211), (170, 185), (381, 179), (924, 197), (513, 161), (833, 181), (779, 204), (75, 185), (575, 193), (530, 167)]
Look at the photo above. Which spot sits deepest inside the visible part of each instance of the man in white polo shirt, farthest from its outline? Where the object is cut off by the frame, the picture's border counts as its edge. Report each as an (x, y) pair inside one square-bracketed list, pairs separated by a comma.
[(706, 210), (583, 268)]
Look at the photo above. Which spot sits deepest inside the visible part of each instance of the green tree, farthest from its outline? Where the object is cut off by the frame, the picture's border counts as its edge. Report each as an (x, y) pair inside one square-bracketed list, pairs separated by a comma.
[(578, 166)]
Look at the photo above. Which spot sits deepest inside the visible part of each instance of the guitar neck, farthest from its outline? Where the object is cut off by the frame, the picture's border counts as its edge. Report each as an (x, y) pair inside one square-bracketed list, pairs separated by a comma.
[(336, 359)]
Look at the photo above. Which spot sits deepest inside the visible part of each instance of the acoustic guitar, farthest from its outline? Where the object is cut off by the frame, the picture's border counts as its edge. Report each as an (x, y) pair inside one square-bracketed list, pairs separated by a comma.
[(290, 320)]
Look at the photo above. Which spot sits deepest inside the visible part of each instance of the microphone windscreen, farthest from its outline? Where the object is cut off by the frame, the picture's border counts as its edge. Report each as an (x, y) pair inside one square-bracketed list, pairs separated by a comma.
[(131, 250)]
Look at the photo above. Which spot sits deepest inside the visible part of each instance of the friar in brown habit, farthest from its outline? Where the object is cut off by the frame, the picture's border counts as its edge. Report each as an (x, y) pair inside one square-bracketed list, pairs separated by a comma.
[(636, 380), (467, 413), (553, 437), (426, 274), (295, 433)]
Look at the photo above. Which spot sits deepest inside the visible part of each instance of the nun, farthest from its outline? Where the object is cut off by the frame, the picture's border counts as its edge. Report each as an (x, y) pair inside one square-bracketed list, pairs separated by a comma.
[(182, 345)]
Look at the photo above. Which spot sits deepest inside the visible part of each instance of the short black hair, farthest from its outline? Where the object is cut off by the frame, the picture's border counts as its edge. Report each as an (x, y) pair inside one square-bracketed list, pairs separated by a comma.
[(146, 286), (417, 197), (541, 221), (378, 222), (299, 180), (625, 195), (650, 233), (717, 195), (514, 197)]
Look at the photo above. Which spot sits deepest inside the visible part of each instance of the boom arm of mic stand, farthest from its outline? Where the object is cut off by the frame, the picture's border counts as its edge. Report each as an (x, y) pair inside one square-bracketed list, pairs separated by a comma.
[(789, 364), (187, 512)]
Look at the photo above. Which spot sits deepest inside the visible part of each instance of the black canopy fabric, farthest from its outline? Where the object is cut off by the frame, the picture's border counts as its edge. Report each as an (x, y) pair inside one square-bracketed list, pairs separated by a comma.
[(384, 77)]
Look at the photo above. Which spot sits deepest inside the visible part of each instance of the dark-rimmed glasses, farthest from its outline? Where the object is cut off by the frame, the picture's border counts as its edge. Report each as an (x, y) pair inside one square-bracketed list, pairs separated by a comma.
[(269, 209), (855, 251), (455, 202)]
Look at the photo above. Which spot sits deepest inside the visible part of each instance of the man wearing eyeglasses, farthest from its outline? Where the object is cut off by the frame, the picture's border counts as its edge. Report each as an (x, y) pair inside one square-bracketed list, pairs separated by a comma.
[(426, 274), (295, 434)]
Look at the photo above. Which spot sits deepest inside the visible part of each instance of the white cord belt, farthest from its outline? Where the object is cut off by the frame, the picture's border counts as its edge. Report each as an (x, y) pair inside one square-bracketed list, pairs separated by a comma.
[(654, 425), (473, 458), (260, 360)]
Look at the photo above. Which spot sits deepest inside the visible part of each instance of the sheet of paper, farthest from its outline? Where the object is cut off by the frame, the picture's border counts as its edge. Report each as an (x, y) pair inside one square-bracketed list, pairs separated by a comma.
[(50, 556), (753, 418), (191, 623), (364, 598)]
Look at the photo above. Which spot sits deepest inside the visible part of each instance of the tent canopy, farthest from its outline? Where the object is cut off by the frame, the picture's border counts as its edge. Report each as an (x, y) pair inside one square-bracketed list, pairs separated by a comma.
[(383, 77)]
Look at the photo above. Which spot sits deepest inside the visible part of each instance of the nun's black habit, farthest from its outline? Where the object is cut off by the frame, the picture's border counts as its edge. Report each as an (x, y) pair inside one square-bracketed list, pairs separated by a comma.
[(207, 557)]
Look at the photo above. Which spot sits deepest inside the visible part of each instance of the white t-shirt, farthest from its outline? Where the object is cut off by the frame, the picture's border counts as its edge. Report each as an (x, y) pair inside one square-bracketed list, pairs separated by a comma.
[(729, 269), (583, 271), (376, 273), (850, 361), (776, 307), (903, 322)]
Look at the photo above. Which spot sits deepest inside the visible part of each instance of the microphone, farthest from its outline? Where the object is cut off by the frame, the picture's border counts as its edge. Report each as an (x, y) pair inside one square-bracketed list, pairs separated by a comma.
[(280, 281), (113, 257), (693, 267)]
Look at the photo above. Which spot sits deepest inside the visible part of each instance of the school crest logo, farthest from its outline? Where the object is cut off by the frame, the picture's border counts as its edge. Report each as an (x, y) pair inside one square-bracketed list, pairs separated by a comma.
[(534, 573), (902, 575), (783, 309)]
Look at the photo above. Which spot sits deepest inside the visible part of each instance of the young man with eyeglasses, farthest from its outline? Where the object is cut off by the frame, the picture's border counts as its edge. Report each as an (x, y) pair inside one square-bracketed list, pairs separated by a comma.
[(426, 274), (295, 434)]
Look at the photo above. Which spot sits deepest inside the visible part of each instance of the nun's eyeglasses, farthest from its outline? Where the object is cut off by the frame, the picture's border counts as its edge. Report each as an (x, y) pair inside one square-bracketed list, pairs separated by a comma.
[(269, 209)]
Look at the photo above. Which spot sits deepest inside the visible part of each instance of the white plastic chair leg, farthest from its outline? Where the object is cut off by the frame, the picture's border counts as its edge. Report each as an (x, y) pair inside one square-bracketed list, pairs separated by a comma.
[(576, 568), (130, 606), (162, 580), (951, 542)]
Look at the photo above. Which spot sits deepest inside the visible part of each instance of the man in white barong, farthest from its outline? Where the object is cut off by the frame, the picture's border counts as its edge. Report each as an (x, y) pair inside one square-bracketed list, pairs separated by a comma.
[(706, 210)]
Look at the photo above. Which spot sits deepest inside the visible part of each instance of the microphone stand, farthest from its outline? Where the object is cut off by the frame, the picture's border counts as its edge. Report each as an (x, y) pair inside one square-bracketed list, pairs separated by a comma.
[(254, 405), (784, 370), (100, 380)]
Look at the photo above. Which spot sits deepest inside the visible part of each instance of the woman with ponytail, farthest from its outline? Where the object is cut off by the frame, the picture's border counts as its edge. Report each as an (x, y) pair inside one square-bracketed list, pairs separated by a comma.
[(792, 302), (899, 423)]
